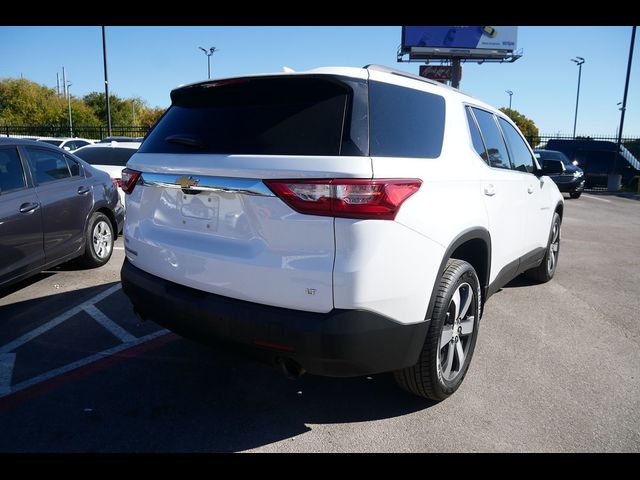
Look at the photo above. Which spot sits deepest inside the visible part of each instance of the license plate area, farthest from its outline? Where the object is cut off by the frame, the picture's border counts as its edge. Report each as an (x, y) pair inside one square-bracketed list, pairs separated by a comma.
[(199, 211)]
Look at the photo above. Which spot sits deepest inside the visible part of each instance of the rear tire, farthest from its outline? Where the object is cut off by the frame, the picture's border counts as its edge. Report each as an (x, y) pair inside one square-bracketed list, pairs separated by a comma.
[(451, 338), (575, 194), (547, 269), (98, 241)]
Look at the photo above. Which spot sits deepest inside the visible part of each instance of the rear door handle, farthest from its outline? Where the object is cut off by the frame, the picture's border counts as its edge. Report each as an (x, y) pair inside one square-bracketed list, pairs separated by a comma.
[(29, 207), (489, 190), (83, 190)]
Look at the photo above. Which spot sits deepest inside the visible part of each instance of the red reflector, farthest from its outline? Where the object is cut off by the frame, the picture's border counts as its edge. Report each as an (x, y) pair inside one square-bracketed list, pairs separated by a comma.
[(274, 346), (346, 198), (129, 180)]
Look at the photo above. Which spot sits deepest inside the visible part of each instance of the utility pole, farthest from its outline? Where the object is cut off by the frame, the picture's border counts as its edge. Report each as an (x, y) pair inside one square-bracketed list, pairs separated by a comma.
[(58, 83), (510, 93), (578, 61), (70, 119), (106, 81), (64, 82), (624, 106)]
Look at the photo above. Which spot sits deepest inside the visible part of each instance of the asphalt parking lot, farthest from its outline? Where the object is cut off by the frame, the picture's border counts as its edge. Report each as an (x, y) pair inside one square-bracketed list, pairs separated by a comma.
[(556, 368)]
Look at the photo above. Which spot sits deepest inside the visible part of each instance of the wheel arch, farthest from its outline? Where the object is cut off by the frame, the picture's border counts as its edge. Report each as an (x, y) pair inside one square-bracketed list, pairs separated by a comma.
[(473, 246)]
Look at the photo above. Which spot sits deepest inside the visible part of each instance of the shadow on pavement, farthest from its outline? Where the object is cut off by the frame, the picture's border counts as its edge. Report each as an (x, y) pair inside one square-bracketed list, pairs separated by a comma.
[(185, 397)]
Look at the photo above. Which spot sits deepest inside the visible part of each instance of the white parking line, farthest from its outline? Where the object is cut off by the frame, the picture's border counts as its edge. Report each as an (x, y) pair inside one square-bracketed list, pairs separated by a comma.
[(118, 248), (81, 363), (115, 329), (596, 198), (6, 372), (18, 342)]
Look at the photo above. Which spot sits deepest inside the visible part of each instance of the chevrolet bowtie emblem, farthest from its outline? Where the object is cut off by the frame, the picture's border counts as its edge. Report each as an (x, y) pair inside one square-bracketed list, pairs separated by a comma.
[(187, 182)]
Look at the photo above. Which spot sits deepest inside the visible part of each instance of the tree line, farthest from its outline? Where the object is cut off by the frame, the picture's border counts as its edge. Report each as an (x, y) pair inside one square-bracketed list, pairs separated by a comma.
[(24, 102)]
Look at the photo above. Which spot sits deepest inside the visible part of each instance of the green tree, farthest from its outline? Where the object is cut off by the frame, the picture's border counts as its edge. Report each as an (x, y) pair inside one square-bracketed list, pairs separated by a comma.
[(122, 109), (526, 125), (23, 102)]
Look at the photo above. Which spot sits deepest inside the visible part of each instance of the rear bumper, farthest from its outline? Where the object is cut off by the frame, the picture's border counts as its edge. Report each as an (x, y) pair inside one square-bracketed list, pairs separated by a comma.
[(340, 343)]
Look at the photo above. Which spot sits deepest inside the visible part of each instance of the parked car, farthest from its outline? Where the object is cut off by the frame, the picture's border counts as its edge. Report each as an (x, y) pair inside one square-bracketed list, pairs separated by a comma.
[(569, 177), (596, 158), (336, 219), (54, 207), (110, 158), (68, 144)]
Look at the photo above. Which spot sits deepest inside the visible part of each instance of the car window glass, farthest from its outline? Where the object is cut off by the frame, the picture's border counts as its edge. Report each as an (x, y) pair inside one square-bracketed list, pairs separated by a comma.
[(476, 137), (81, 143), (74, 167), (496, 148), (521, 158), (405, 122), (11, 172), (70, 145), (47, 165), (112, 156)]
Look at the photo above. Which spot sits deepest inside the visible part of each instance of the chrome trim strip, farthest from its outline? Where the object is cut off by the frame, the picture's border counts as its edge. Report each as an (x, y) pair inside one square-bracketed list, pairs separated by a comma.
[(246, 186)]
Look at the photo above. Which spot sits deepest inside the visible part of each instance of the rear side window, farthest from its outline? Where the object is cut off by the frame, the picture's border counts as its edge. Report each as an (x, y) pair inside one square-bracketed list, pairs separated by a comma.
[(11, 172), (301, 115), (405, 122), (476, 137), (496, 148), (47, 166), (521, 157), (112, 156)]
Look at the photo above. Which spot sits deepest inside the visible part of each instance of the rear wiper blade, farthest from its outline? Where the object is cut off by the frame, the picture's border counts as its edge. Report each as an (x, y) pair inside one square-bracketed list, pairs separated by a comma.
[(186, 140)]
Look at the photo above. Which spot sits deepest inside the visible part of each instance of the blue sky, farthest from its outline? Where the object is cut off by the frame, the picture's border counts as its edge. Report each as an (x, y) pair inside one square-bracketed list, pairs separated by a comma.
[(150, 61)]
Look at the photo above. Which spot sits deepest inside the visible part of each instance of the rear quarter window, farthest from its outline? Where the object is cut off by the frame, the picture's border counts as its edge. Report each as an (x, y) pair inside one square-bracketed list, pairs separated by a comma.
[(405, 122)]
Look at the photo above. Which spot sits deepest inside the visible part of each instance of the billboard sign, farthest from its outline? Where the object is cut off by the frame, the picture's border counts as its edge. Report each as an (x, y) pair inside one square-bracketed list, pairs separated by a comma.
[(477, 37)]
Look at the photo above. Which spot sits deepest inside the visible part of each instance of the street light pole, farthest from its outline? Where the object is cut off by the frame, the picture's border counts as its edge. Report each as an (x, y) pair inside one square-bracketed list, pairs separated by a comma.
[(624, 104), (208, 53), (510, 95), (578, 61), (106, 81), (69, 101)]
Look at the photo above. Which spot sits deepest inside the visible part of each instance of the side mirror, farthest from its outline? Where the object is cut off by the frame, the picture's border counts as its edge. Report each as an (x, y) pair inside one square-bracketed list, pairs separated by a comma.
[(552, 167)]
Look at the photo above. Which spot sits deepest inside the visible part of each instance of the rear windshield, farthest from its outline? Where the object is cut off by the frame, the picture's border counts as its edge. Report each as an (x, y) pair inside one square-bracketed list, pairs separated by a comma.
[(301, 115), (549, 155), (111, 156)]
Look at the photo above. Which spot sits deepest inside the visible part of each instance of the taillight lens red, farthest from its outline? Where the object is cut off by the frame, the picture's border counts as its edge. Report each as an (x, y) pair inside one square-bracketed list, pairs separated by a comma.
[(346, 198), (129, 179)]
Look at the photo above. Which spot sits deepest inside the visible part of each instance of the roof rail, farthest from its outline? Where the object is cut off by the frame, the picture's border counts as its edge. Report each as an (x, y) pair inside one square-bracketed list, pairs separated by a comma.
[(402, 73)]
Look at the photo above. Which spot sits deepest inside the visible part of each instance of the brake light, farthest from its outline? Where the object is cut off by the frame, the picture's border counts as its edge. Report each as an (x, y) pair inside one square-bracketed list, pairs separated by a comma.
[(129, 179), (346, 198)]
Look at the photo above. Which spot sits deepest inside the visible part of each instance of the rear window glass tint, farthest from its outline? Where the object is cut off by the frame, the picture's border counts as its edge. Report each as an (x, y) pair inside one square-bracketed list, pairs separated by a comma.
[(263, 116), (405, 122), (112, 156)]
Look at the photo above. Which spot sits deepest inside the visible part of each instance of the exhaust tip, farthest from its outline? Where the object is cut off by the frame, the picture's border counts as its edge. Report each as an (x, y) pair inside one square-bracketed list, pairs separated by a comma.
[(290, 368)]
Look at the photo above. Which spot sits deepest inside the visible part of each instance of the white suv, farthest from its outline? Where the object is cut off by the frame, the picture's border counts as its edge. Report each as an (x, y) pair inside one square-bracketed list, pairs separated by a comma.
[(344, 221)]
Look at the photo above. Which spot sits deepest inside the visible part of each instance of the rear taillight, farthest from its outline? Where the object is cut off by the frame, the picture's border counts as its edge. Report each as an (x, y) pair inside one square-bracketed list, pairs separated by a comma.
[(346, 198), (129, 179)]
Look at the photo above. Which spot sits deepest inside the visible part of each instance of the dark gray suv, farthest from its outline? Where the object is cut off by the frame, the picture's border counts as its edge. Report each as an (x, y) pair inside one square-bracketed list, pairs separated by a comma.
[(53, 207)]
